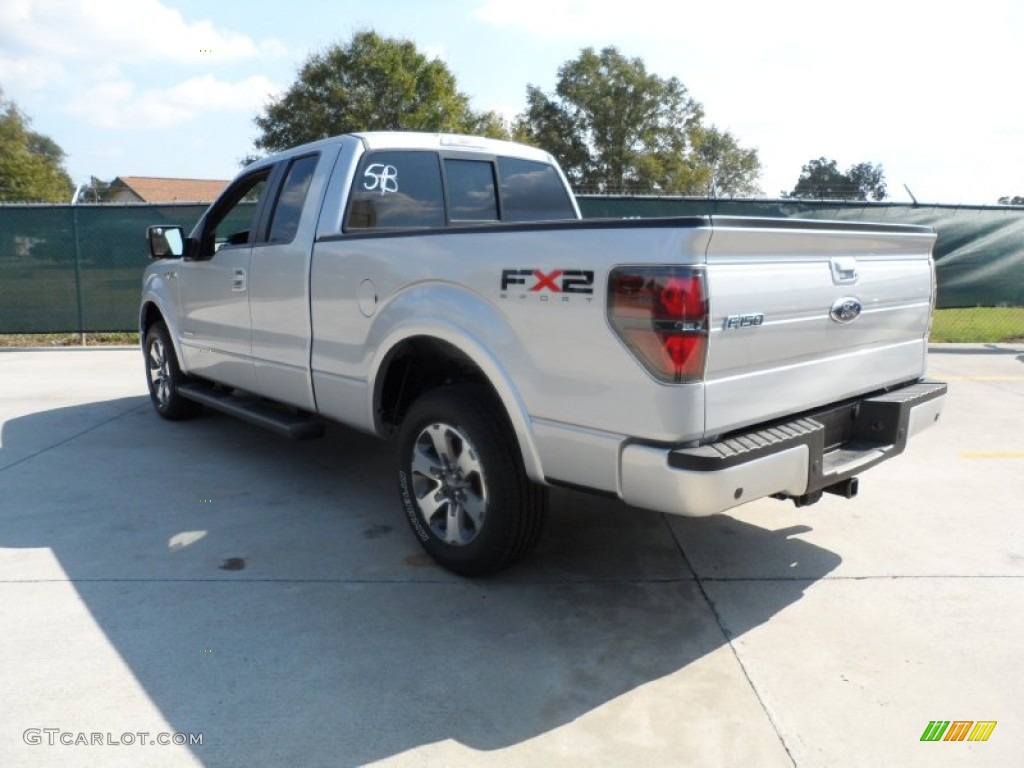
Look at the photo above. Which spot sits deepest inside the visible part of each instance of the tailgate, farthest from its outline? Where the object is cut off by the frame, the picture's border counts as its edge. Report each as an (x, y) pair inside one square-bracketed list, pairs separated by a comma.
[(805, 313)]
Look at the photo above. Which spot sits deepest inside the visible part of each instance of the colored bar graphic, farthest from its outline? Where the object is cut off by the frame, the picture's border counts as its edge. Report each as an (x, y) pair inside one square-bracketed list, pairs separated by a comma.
[(935, 730), (982, 730), (960, 730)]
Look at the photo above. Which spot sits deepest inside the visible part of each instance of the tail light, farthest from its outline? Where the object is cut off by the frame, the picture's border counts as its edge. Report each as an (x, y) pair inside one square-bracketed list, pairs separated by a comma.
[(661, 314)]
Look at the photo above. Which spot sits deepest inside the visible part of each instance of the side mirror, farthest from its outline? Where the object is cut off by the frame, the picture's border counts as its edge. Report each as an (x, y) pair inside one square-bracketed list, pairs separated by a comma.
[(165, 242)]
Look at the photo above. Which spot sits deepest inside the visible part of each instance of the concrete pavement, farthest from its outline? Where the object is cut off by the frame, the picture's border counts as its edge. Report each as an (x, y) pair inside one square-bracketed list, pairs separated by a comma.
[(210, 580)]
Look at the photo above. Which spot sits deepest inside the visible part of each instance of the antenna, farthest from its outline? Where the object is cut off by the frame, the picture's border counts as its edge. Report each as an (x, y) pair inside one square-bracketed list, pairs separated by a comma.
[(910, 193)]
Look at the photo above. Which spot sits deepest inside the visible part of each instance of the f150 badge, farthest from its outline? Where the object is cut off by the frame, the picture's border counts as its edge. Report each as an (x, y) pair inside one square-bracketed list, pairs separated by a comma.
[(524, 284), (743, 321)]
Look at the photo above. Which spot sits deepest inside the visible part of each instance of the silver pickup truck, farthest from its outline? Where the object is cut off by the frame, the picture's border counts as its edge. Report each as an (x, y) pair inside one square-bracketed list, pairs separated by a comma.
[(441, 291)]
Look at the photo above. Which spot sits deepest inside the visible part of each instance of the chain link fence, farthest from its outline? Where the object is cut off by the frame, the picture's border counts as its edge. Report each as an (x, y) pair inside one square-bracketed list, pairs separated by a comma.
[(78, 268)]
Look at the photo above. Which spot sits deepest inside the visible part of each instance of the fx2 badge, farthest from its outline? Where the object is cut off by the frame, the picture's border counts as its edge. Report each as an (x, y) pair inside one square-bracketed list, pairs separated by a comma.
[(561, 285)]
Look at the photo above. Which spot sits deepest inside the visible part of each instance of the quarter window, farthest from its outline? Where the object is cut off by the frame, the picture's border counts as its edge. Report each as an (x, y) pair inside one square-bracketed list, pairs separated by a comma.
[(396, 190)]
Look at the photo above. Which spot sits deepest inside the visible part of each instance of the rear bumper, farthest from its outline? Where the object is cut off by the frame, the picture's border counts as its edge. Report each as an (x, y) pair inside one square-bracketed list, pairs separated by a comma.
[(796, 458)]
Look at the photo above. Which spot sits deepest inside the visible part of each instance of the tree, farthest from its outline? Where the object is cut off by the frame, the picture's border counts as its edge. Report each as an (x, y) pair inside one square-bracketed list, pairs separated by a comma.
[(546, 124), (822, 178), (613, 126), (94, 191), (1014, 200), (31, 164), (370, 83), (734, 170)]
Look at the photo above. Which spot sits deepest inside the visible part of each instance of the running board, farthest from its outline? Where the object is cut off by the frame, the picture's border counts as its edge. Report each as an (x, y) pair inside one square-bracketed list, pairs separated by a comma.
[(293, 424)]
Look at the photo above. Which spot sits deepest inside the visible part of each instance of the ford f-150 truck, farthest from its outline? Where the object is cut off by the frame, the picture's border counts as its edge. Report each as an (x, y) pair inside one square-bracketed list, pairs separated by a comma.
[(443, 292)]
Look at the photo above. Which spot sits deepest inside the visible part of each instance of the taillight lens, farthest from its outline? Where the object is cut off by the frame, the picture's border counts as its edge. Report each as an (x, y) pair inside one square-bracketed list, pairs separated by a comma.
[(661, 314)]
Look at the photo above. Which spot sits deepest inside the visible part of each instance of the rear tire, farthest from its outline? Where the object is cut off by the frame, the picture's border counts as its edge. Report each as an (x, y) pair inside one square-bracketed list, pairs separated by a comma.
[(462, 483), (164, 376)]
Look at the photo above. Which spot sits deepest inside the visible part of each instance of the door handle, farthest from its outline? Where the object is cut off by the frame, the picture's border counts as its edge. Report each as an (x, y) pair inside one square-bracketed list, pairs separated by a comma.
[(844, 270), (238, 280)]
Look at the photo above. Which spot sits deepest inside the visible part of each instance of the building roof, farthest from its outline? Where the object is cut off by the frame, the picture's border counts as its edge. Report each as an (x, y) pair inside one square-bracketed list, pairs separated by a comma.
[(151, 189)]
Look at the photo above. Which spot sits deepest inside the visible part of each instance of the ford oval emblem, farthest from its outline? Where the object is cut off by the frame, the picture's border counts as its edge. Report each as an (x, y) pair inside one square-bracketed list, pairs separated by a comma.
[(845, 310)]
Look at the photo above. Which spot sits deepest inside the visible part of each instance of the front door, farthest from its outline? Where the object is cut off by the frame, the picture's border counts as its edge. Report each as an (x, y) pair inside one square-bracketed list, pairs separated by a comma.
[(216, 330)]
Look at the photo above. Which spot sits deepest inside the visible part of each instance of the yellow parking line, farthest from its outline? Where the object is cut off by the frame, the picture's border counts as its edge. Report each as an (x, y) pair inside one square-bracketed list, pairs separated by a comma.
[(980, 378), (1004, 455)]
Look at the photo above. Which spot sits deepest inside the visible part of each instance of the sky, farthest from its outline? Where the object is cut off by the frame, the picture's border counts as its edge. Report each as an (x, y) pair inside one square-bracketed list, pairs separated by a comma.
[(171, 87)]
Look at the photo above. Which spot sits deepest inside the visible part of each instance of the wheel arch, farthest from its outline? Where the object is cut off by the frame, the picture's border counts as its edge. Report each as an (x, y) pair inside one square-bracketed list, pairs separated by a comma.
[(148, 315), (152, 312), (418, 362)]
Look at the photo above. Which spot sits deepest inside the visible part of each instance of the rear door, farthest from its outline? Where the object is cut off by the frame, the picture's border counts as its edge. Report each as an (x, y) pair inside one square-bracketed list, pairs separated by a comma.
[(805, 313), (279, 282)]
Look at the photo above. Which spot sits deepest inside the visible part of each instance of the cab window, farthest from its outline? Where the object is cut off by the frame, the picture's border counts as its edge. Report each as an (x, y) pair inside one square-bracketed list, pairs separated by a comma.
[(284, 222), (471, 195), (396, 190), (233, 221), (532, 191)]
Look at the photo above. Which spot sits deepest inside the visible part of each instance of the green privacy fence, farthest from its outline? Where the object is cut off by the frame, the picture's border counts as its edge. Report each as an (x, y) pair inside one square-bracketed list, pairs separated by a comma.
[(78, 268), (979, 253)]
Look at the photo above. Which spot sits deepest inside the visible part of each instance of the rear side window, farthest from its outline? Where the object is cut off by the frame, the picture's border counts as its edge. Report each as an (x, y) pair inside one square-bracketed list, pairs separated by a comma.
[(532, 191), (288, 210), (471, 195), (396, 190)]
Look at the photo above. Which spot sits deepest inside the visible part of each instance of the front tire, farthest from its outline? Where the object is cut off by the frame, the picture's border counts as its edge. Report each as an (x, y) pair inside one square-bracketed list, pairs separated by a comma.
[(164, 376), (462, 483)]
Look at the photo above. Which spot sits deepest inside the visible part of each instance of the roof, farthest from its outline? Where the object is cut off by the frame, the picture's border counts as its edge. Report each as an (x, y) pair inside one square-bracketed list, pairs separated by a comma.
[(151, 189), (399, 140), (449, 141)]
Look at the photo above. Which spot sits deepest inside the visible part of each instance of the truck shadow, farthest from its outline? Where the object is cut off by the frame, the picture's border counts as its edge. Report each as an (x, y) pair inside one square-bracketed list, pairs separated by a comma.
[(334, 640)]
